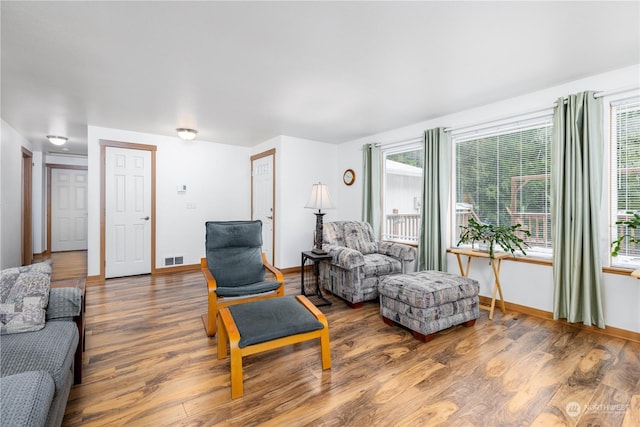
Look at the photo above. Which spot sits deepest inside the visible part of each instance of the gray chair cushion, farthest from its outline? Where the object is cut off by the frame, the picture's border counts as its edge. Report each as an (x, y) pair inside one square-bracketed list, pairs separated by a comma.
[(26, 398), (273, 318), (359, 236), (376, 265), (50, 349), (230, 244), (252, 289)]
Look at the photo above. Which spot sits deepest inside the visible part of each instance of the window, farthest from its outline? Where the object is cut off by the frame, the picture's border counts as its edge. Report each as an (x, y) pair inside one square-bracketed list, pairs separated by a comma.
[(625, 179), (402, 189), (503, 178)]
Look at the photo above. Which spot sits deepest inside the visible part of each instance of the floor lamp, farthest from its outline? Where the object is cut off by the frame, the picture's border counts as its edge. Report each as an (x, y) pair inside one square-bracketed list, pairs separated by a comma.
[(319, 199)]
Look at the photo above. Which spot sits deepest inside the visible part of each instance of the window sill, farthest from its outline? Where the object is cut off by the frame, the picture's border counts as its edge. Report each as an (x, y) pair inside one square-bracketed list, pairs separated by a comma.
[(620, 271), (403, 242)]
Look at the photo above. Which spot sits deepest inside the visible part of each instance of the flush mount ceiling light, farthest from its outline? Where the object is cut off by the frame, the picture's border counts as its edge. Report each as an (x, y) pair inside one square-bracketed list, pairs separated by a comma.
[(186, 134), (57, 140)]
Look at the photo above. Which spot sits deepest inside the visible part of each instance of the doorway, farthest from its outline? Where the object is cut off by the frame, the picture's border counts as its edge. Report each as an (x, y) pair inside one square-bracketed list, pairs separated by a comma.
[(263, 198), (66, 208), (127, 209)]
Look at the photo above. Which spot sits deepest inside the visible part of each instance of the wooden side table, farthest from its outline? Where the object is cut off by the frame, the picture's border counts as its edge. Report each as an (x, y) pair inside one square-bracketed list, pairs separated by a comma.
[(496, 263), (307, 281), (79, 320)]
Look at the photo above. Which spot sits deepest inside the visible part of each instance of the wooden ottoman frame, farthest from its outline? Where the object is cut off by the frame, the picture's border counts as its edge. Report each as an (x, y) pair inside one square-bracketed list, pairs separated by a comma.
[(229, 331)]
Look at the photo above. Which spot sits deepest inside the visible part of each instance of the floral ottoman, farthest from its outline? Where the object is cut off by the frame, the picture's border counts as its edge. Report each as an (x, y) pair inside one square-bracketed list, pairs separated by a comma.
[(428, 301)]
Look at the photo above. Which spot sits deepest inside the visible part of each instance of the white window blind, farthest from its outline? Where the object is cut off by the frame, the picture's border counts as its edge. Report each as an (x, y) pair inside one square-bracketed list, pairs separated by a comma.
[(625, 169), (503, 178)]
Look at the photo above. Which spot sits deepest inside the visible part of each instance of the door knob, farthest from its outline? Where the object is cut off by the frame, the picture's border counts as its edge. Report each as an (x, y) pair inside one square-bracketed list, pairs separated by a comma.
[(146, 218), (269, 217)]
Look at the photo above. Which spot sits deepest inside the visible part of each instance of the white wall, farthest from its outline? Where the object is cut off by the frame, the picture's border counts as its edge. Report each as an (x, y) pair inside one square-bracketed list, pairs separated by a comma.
[(61, 159), (299, 164), (11, 143), (217, 177), (525, 284)]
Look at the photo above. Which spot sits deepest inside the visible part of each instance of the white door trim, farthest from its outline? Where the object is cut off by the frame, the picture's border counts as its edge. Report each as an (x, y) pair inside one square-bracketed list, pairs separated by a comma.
[(26, 204), (152, 148)]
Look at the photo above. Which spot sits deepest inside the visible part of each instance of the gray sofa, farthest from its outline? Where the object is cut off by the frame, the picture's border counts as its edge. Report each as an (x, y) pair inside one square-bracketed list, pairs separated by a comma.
[(37, 368), (358, 261)]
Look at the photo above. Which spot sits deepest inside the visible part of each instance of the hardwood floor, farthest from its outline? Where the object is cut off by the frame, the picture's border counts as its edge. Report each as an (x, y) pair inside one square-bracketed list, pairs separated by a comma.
[(66, 265), (149, 362)]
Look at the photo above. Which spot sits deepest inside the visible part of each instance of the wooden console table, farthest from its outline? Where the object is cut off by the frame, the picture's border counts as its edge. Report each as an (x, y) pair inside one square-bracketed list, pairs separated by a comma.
[(496, 263)]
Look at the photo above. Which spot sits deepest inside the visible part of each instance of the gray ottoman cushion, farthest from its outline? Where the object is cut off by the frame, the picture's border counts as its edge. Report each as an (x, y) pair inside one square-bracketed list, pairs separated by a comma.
[(429, 301), (26, 398), (273, 318), (51, 349), (428, 288)]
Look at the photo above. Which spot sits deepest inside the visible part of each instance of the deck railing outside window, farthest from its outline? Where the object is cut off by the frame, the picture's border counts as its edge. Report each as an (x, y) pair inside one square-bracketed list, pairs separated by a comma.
[(402, 227), (405, 228)]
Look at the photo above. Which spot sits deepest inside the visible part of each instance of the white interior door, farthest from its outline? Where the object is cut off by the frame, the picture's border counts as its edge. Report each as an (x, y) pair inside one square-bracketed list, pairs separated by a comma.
[(68, 210), (127, 212), (262, 182)]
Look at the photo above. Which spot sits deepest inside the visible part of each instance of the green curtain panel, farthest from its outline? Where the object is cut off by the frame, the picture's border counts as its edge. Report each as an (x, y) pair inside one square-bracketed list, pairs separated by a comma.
[(576, 187), (372, 187), (432, 245)]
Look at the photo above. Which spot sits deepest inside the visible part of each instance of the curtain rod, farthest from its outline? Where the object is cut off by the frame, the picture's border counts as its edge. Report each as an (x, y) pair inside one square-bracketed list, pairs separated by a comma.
[(541, 110), (399, 143), (500, 119), (615, 92), (512, 116)]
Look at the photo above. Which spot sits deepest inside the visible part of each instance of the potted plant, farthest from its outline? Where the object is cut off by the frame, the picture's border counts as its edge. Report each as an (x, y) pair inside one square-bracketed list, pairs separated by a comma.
[(506, 236), (632, 223)]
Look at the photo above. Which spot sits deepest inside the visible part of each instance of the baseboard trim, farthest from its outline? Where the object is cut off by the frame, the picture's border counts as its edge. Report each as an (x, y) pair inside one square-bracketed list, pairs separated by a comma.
[(290, 270), (187, 268), (92, 280), (547, 315)]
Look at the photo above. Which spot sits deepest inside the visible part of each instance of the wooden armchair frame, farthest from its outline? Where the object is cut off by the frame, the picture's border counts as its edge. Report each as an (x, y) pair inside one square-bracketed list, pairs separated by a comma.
[(215, 302)]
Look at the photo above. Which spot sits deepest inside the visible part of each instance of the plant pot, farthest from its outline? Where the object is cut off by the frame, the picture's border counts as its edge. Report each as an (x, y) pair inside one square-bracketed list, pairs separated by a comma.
[(483, 247)]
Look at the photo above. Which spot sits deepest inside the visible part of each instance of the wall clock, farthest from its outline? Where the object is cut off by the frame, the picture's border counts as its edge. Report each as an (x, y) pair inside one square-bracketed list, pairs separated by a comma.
[(349, 177)]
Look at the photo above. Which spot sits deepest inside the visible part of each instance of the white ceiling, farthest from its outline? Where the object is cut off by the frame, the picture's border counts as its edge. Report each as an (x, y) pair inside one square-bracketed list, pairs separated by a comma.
[(243, 72)]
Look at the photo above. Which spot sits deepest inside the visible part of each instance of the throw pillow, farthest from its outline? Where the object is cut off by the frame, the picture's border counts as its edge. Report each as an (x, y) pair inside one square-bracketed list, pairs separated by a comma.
[(357, 238), (24, 295)]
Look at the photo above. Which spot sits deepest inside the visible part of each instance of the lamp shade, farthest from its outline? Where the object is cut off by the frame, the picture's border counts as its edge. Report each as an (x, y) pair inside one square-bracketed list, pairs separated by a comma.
[(187, 134), (319, 198), (57, 140)]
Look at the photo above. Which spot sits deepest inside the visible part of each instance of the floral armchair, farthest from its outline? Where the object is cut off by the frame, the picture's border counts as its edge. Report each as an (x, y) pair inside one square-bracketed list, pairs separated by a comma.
[(358, 261)]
